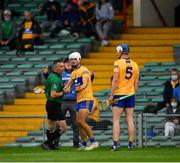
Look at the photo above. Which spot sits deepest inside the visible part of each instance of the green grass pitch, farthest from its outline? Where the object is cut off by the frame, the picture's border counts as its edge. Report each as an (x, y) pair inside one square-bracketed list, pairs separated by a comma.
[(101, 154)]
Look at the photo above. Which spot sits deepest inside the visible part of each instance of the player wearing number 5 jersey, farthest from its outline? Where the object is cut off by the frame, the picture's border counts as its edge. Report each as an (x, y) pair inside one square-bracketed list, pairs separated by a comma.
[(125, 82)]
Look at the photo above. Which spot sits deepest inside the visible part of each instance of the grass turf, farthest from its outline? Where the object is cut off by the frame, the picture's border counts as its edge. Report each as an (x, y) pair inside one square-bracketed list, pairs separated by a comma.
[(102, 154)]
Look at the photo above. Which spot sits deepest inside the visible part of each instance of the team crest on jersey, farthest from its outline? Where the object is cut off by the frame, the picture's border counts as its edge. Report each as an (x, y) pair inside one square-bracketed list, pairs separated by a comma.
[(78, 81)]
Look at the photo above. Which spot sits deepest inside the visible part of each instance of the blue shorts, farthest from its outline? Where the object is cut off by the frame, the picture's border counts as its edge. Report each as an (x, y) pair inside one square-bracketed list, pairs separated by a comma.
[(128, 102), (85, 105)]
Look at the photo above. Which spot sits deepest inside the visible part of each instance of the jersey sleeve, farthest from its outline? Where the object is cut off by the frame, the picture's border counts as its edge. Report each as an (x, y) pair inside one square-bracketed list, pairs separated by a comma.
[(115, 68)]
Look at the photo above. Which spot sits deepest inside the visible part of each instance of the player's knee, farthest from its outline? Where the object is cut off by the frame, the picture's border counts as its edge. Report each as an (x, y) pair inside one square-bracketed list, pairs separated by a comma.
[(63, 127), (79, 122)]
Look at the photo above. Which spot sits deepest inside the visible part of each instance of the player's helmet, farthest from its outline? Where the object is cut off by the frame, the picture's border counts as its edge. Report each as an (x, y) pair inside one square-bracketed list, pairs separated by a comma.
[(123, 48), (75, 55)]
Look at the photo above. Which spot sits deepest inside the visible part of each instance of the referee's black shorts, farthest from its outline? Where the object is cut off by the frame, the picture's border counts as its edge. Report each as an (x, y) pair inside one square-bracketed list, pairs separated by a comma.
[(54, 111)]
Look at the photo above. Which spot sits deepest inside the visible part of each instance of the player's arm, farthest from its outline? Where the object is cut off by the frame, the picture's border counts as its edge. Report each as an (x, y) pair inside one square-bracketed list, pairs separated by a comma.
[(68, 85), (136, 83), (114, 83), (55, 93)]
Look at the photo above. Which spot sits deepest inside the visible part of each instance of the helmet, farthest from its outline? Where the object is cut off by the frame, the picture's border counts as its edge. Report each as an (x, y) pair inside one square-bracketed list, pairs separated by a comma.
[(75, 55), (123, 48)]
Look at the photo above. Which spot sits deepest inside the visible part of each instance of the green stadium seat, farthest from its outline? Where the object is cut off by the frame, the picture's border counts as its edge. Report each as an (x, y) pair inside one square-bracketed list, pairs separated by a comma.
[(4, 80), (35, 59), (4, 60), (51, 59), (2, 74), (157, 99), (84, 40), (148, 78), (167, 144), (154, 84), (68, 40), (35, 133), (10, 53), (98, 94), (31, 73), (25, 66), (14, 74), (18, 59), (23, 139), (8, 66), (64, 52), (169, 64), (157, 93), (159, 69), (97, 132), (12, 145), (46, 52), (30, 144), (142, 100), (155, 120), (151, 64), (105, 91), (31, 53), (42, 47), (40, 66), (39, 139), (39, 17), (142, 84), (159, 89), (75, 46), (58, 46), (151, 144), (175, 138), (160, 138), (144, 70), (139, 108), (15, 5), (32, 5), (164, 78)]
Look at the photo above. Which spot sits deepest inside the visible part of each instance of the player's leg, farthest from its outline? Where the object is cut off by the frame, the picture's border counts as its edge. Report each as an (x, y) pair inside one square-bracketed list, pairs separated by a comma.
[(48, 145), (129, 111), (81, 120), (83, 138), (72, 112), (116, 111), (61, 126), (130, 123), (51, 123)]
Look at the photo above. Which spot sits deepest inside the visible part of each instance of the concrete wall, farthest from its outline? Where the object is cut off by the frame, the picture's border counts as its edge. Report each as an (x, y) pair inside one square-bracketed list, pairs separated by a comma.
[(145, 14)]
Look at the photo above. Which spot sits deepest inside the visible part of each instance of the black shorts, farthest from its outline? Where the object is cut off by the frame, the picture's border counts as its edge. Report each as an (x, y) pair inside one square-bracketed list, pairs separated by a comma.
[(54, 111)]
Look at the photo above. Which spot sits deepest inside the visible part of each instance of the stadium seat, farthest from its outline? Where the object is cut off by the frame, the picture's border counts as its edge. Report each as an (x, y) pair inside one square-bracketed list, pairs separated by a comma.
[(23, 139), (18, 60), (36, 133), (151, 64), (57, 46), (25, 66)]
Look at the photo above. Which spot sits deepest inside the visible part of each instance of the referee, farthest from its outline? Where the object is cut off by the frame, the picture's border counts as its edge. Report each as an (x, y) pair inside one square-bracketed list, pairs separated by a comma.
[(54, 96)]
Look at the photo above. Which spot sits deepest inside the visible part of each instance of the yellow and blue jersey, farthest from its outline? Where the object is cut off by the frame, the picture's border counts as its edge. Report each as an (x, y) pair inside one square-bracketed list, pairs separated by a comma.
[(128, 71), (77, 76)]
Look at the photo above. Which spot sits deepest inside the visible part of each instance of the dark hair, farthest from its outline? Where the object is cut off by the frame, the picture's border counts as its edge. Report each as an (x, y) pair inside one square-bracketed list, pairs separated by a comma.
[(57, 61), (66, 59), (174, 69), (100, 3)]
